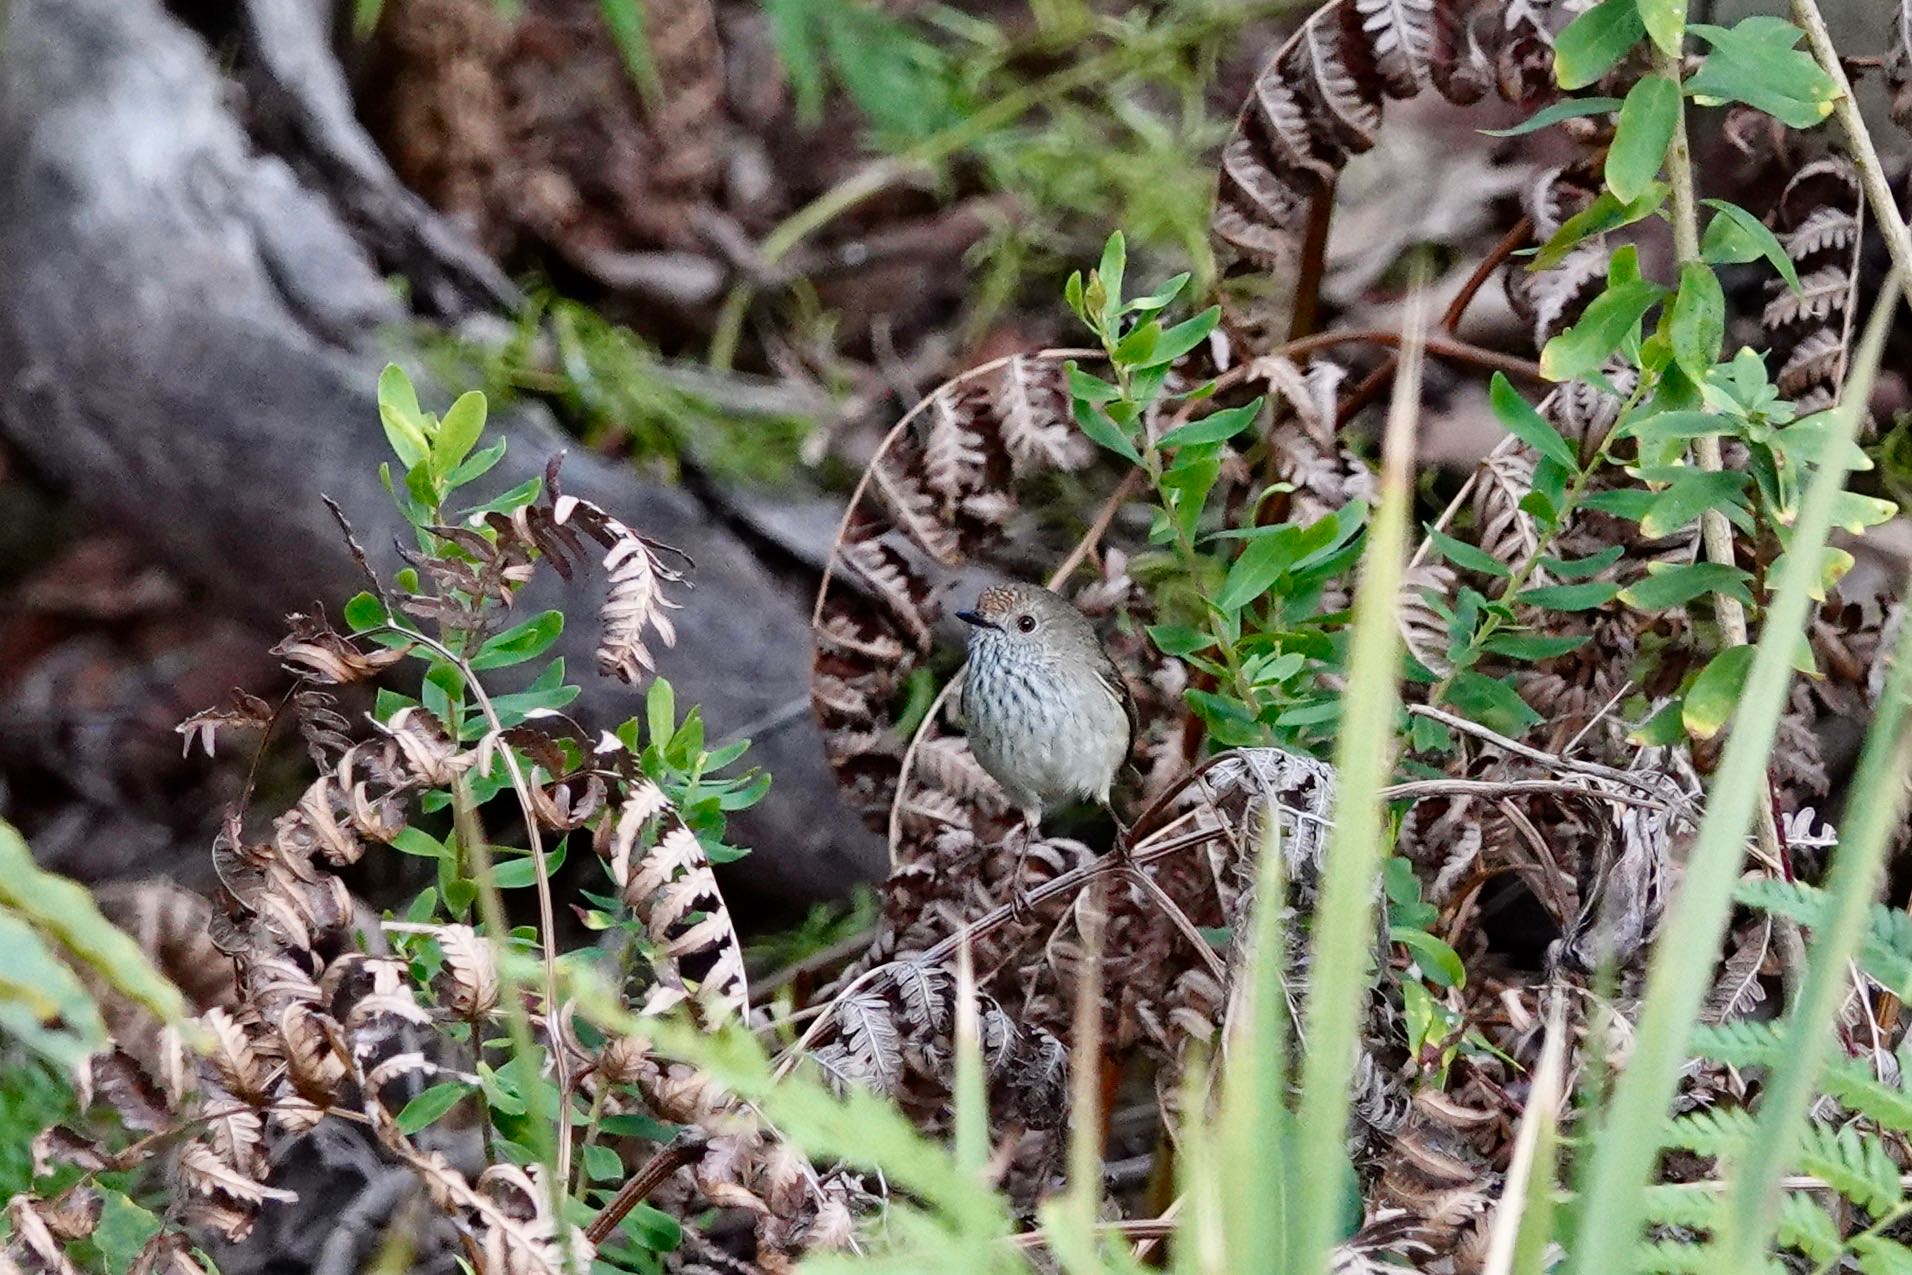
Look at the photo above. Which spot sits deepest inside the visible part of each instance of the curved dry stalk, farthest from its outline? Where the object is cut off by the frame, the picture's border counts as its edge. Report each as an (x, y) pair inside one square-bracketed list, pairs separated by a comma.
[(896, 431), (547, 916)]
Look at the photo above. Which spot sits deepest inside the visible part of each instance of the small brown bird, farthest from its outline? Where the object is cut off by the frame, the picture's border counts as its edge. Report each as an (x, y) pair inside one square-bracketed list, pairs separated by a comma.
[(1048, 714)]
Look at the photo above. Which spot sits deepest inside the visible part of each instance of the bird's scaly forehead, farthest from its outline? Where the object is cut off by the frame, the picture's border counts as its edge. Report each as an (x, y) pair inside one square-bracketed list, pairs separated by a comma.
[(997, 599)]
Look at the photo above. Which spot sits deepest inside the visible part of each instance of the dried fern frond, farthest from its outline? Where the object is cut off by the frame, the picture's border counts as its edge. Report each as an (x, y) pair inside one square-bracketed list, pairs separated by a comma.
[(314, 651), (1318, 101), (242, 711), (1819, 221), (664, 877)]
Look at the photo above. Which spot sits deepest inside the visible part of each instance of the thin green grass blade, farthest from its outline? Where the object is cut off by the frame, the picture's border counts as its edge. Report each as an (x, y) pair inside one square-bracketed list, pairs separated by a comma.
[(1069, 1222), (1201, 1240), (1344, 920), (1523, 1224), (1256, 1129), (1753, 1203), (1628, 1140), (971, 1098)]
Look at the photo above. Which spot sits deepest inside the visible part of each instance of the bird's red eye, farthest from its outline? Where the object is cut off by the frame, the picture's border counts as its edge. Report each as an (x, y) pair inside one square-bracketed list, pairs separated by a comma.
[(1027, 623)]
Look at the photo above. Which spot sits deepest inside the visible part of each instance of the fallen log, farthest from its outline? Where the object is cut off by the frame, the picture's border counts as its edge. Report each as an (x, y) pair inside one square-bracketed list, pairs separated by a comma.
[(191, 332)]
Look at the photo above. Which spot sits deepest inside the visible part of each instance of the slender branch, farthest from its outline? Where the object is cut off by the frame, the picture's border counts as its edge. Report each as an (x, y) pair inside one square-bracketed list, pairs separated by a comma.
[(1377, 381), (1716, 534), (1314, 262), (1845, 109), (491, 902), (1440, 347), (640, 1184)]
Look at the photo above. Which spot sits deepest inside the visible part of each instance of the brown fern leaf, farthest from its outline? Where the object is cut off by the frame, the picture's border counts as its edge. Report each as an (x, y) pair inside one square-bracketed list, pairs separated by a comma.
[(242, 712), (896, 1036), (665, 879), (687, 121), (315, 652), (1318, 101), (1423, 629), (1819, 220), (41, 1229), (1551, 299), (167, 1253)]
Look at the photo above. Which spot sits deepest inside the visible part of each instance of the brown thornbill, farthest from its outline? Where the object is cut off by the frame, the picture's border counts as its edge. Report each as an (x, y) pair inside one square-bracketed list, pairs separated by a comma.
[(1048, 714)]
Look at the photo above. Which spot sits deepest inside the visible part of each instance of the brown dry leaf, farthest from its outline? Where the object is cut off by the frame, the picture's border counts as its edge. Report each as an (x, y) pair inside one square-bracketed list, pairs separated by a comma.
[(241, 711), (468, 985), (314, 651)]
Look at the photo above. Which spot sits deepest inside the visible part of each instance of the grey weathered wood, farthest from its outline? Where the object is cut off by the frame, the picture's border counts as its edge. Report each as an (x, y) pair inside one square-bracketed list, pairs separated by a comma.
[(189, 338)]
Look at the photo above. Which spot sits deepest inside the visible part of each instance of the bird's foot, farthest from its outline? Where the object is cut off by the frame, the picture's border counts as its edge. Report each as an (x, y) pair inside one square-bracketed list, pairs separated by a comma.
[(1020, 909)]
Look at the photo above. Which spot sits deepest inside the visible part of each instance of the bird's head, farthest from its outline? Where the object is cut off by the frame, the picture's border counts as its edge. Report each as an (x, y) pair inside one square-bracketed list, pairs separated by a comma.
[(1026, 616)]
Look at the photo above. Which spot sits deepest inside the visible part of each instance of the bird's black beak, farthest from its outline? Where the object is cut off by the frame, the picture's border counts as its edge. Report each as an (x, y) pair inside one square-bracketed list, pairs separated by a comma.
[(975, 618)]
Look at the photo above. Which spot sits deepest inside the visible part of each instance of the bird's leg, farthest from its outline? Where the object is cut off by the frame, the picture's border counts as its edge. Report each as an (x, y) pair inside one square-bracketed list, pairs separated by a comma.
[(1026, 836), (1122, 846)]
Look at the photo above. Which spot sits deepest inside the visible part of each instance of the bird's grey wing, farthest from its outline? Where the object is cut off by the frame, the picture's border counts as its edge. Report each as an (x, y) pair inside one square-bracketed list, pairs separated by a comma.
[(1118, 687)]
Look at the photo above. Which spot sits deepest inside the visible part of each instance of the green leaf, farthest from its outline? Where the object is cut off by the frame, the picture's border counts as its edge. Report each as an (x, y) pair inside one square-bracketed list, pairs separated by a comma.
[(1715, 693), (1582, 568), (1570, 597), (1179, 640), (660, 712), (1605, 213), (431, 1105), (1675, 427), (624, 19), (1267, 558), (1606, 325), (508, 501), (1697, 326), (1735, 235), (64, 911), (1676, 586), (520, 642), (547, 691), (414, 840), (1755, 62), (1182, 338), (458, 433), (1089, 388), (1134, 349), (1854, 513), (1665, 23), (1115, 257), (364, 611), (1593, 42), (1521, 420), (516, 874), (1492, 702), (1213, 428), (1661, 730), (1158, 299), (1690, 494), (1529, 647), (1465, 556), (1572, 108), (602, 1163), (1647, 120), (1103, 432), (1439, 962), (406, 441), (1630, 503)]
